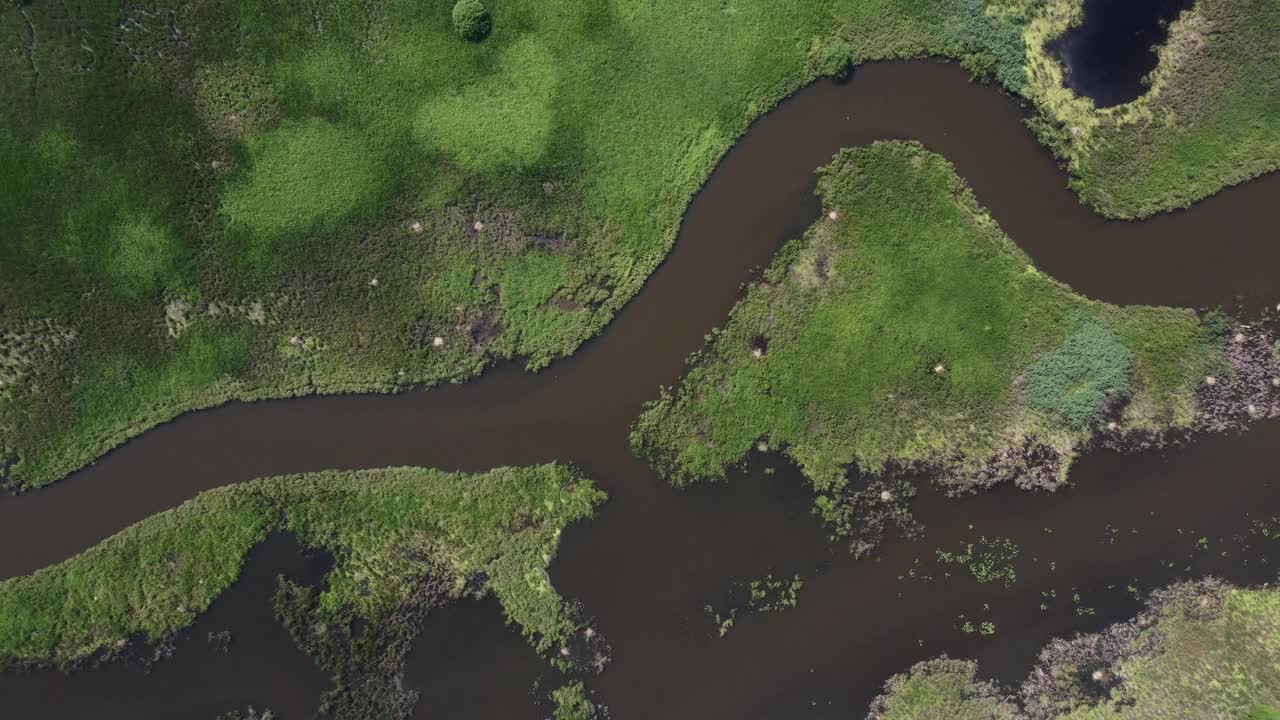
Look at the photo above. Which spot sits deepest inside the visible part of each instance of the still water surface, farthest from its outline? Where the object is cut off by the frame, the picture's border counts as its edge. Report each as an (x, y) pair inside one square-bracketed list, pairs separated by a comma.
[(1108, 56), (655, 555)]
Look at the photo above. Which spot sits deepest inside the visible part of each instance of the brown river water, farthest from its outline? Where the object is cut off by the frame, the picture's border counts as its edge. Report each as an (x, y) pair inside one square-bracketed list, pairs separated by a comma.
[(654, 555)]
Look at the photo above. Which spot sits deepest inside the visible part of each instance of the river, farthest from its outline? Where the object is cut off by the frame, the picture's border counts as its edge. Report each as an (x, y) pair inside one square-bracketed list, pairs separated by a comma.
[(655, 555)]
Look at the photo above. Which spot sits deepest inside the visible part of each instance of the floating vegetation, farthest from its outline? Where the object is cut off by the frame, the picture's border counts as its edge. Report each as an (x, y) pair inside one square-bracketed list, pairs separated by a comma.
[(990, 561), (762, 595)]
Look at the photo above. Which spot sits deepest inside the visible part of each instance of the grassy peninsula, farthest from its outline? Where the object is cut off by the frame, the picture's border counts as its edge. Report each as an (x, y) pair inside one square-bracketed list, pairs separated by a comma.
[(215, 201), (906, 329), (392, 533), (1202, 650)]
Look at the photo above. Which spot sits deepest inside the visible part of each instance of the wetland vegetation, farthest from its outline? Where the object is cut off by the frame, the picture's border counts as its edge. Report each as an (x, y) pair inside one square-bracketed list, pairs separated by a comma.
[(352, 197), (366, 195), (1198, 650), (905, 330), (404, 540)]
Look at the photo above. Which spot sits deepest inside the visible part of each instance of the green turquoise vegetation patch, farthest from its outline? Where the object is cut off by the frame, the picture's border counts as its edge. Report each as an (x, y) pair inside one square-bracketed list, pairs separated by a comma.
[(1208, 652), (1076, 380), (334, 146), (385, 529), (1211, 118), (905, 328)]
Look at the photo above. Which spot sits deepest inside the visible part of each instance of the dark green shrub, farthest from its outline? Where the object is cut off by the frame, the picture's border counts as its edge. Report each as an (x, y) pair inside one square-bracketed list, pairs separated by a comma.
[(471, 20), (1074, 380)]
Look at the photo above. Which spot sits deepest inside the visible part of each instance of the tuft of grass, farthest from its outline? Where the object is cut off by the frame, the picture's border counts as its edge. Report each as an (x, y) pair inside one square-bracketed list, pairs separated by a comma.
[(942, 689), (383, 527), (573, 703)]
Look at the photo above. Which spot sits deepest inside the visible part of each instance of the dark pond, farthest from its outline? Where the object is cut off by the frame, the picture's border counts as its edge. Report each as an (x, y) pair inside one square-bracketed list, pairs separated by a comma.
[(654, 556), (1109, 54)]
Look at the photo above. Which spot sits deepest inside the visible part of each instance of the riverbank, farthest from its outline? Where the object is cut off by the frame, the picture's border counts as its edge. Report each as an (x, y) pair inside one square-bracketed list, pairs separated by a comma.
[(422, 243), (1203, 649), (403, 539), (905, 330)]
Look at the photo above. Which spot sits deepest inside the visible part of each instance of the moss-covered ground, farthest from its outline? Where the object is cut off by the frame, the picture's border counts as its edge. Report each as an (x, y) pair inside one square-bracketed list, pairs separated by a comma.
[(390, 531), (214, 201), (1200, 652), (906, 329)]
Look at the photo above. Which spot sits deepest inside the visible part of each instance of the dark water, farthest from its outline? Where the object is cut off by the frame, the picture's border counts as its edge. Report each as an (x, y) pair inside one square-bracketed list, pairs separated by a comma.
[(1108, 55), (655, 555)]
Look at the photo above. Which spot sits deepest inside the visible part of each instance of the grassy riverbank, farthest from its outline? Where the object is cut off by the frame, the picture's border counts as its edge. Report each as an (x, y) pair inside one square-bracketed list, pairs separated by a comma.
[(390, 531), (347, 196), (1211, 119), (1202, 651), (905, 328)]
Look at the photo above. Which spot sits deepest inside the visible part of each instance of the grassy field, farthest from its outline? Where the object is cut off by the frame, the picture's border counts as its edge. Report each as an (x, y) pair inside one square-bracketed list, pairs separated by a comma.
[(906, 328), (384, 527), (316, 192), (1199, 652), (215, 201), (1212, 118)]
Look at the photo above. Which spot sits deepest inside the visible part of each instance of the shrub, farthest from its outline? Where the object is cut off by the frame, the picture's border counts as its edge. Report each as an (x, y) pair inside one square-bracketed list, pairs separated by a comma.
[(471, 20), (836, 60), (1074, 380)]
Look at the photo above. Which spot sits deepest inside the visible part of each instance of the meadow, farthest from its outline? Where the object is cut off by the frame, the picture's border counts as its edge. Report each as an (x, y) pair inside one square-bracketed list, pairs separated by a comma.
[(218, 201)]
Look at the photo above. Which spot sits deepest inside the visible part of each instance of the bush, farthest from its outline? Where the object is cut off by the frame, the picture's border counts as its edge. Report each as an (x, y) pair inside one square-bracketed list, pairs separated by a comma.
[(471, 20), (836, 61), (1074, 380)]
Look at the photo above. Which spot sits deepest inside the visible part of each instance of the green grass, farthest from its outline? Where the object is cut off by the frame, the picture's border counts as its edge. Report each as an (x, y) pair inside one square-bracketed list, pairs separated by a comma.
[(909, 329), (383, 527), (1191, 659), (1223, 667), (1212, 118), (286, 155)]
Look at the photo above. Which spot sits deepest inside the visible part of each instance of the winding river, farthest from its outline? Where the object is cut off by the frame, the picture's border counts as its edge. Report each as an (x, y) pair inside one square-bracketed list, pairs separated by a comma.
[(654, 556)]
